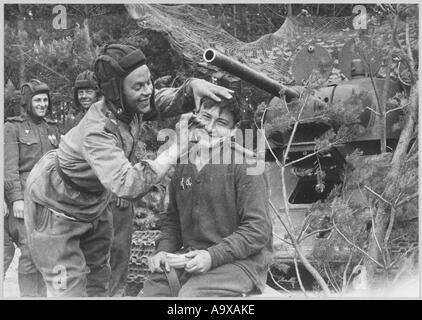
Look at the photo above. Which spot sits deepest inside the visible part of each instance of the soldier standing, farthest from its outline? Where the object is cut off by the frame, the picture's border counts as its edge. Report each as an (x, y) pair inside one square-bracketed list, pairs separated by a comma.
[(86, 92), (26, 139), (67, 211)]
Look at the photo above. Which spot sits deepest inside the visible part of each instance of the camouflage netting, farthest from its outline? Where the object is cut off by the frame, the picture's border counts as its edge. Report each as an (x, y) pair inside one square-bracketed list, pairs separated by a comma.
[(191, 30)]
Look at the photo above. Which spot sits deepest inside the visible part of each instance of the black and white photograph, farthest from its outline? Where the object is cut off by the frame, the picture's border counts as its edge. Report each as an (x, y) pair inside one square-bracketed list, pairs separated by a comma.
[(251, 151)]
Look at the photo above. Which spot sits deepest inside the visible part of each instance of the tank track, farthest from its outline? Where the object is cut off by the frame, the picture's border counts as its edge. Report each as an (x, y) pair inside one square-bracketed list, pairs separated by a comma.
[(143, 245)]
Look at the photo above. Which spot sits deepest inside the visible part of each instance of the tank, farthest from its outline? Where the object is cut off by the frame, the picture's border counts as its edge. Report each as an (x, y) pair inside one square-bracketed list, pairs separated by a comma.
[(301, 178)]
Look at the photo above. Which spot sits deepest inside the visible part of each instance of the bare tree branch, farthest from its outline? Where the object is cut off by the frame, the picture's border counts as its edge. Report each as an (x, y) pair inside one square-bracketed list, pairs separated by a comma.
[(277, 284), (395, 109), (299, 278), (388, 234), (376, 112), (315, 232), (379, 196), (346, 268), (409, 52), (281, 239), (376, 240), (354, 245), (333, 277), (407, 199)]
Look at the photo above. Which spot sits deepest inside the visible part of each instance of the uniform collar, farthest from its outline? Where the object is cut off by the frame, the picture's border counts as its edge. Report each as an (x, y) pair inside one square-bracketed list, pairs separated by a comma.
[(32, 118), (124, 116)]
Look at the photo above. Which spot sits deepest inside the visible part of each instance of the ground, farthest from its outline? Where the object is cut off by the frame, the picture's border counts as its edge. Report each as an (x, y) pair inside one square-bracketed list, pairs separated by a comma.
[(408, 288), (10, 284)]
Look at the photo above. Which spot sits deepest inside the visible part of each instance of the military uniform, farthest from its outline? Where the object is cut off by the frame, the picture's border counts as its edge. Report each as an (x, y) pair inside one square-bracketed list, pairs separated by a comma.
[(26, 140), (122, 224), (67, 211)]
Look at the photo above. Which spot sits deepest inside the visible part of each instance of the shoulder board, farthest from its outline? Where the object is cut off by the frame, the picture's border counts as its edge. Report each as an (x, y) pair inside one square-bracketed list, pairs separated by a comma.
[(111, 126), (16, 119)]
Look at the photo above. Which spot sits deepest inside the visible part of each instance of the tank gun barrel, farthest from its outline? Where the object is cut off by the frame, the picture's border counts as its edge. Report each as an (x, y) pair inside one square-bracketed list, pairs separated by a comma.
[(248, 74)]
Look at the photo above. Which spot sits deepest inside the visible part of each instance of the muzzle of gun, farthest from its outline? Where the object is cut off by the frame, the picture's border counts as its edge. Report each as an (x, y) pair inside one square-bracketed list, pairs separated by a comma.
[(258, 79), (250, 75)]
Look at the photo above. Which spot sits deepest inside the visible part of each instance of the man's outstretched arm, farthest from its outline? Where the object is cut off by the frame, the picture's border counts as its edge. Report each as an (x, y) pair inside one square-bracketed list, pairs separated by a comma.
[(170, 102)]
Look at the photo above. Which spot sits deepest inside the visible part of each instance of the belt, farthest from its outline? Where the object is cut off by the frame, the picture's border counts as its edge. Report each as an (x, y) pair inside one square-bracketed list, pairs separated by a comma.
[(69, 181), (173, 281)]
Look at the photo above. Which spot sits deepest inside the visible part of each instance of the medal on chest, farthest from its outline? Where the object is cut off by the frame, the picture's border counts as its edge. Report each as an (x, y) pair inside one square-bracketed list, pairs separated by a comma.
[(185, 183), (53, 139)]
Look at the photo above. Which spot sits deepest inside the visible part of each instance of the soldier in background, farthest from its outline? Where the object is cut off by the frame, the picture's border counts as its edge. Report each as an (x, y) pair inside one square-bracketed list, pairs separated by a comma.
[(85, 93), (26, 139)]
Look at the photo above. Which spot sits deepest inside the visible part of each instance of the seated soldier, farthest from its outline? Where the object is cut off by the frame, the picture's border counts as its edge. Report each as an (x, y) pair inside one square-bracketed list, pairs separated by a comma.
[(217, 219)]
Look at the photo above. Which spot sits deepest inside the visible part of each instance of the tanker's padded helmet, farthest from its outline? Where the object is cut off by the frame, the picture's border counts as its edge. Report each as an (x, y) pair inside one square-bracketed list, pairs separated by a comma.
[(114, 63), (84, 80), (32, 88)]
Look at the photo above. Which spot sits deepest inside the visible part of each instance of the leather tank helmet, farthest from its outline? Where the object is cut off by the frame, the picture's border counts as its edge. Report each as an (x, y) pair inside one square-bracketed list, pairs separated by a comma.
[(85, 80), (31, 89), (114, 63)]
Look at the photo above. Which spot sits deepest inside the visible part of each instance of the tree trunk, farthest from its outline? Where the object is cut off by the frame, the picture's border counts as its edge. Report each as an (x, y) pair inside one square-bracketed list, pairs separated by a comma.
[(234, 21), (382, 212), (88, 38), (383, 104), (289, 10), (21, 37)]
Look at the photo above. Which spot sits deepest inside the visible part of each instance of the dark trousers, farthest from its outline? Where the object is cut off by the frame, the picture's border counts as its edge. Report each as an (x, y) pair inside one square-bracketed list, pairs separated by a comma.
[(30, 280), (228, 280), (120, 248), (72, 256)]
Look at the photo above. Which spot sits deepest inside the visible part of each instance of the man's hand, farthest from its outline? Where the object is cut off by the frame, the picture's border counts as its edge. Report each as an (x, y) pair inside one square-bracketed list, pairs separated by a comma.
[(157, 260), (122, 203), (18, 207), (200, 263), (177, 148), (180, 146), (202, 88)]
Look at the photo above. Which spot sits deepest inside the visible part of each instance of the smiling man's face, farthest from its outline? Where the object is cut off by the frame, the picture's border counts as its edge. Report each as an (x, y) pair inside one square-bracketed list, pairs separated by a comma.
[(87, 97), (39, 104), (137, 90), (215, 123)]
